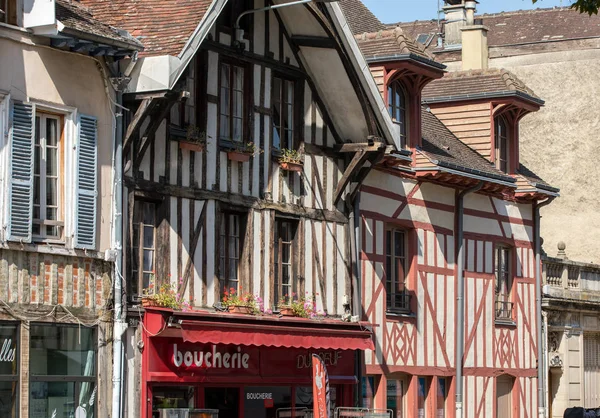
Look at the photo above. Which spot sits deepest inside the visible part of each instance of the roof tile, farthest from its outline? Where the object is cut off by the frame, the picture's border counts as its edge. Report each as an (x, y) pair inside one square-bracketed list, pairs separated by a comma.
[(359, 17)]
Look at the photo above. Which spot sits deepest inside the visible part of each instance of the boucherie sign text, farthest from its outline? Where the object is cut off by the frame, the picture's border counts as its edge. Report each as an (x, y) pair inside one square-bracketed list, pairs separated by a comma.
[(215, 358)]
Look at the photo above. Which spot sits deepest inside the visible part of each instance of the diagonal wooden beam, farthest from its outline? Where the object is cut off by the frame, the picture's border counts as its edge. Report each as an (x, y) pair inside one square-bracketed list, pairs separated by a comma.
[(137, 121), (374, 158), (148, 136), (357, 162), (188, 266)]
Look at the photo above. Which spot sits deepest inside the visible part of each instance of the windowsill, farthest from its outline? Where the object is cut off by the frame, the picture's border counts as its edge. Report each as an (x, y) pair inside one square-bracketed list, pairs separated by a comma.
[(400, 316), (42, 241), (505, 323), (229, 144)]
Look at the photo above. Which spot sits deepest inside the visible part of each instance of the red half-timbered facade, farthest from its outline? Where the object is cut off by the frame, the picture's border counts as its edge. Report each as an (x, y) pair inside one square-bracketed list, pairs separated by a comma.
[(464, 193)]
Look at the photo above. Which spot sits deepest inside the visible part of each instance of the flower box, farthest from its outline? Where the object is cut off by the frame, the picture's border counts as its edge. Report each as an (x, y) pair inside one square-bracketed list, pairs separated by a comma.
[(192, 146), (286, 311), (148, 302), (290, 166), (239, 309), (239, 156)]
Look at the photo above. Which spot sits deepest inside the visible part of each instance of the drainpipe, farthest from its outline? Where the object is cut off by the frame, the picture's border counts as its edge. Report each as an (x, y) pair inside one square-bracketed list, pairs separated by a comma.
[(460, 305), (538, 307), (356, 293)]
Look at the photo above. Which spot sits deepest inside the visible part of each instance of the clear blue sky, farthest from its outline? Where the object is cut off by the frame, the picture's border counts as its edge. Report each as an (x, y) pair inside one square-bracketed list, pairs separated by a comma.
[(392, 11)]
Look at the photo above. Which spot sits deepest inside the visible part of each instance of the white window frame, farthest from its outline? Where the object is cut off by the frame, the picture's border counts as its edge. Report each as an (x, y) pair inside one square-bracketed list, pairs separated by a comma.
[(69, 130), (4, 161)]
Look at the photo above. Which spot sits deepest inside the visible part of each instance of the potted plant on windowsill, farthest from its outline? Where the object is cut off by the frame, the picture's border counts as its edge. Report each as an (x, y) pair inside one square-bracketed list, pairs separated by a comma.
[(243, 152), (304, 307), (290, 160), (165, 296), (246, 304), (194, 139)]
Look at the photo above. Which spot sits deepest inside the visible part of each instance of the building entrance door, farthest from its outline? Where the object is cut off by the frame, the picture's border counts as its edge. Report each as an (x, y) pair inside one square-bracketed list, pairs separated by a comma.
[(226, 400), (504, 386)]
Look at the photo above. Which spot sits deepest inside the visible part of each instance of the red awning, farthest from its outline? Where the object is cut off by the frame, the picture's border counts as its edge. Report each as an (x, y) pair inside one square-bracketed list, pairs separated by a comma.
[(325, 336)]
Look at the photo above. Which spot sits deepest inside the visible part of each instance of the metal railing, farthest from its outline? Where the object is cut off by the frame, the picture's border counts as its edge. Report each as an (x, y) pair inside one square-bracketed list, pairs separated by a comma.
[(503, 308), (398, 302)]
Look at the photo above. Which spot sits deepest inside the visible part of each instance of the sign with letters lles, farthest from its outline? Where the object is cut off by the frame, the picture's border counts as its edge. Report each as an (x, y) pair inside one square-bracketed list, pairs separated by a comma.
[(7, 352)]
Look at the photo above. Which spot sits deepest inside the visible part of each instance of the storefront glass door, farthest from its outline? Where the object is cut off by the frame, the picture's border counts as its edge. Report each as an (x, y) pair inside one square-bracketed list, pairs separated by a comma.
[(264, 401), (225, 400)]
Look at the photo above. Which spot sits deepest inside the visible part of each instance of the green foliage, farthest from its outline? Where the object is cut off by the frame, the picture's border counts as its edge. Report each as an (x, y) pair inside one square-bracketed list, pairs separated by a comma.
[(584, 6), (193, 134), (248, 148), (290, 156), (166, 295), (232, 298)]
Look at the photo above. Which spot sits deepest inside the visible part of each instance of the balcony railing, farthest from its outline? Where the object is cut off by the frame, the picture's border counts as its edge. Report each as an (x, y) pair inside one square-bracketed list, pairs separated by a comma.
[(503, 309), (570, 275), (398, 302)]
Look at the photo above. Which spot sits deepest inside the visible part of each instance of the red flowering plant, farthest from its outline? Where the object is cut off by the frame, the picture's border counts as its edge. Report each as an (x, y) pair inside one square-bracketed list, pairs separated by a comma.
[(304, 307), (232, 298), (166, 295)]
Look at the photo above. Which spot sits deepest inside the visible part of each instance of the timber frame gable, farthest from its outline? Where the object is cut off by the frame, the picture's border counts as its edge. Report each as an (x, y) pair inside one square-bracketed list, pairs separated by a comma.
[(194, 193)]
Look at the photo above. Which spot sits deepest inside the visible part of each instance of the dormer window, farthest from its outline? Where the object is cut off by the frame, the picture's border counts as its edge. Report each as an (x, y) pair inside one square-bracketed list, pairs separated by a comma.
[(397, 105), (502, 139)]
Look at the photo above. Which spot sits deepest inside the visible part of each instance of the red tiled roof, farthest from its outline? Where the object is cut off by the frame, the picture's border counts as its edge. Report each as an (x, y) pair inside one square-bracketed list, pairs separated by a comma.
[(473, 82), (79, 19), (163, 26), (389, 42), (359, 17), (523, 26)]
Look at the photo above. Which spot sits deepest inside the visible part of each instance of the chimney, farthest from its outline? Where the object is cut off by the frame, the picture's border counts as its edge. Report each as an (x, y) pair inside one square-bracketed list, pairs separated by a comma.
[(474, 47), (458, 14)]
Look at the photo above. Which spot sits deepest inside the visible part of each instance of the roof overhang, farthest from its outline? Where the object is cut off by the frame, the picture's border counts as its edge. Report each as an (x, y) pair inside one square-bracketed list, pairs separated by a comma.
[(485, 96), (380, 59)]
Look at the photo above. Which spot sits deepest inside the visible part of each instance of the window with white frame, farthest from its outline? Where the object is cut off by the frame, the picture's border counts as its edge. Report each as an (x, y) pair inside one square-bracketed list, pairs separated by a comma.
[(231, 107), (47, 187), (143, 252), (397, 297), (503, 283), (283, 113)]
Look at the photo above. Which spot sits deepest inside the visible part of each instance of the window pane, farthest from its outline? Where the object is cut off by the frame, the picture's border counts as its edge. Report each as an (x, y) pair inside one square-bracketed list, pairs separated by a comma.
[(51, 132), (421, 396), (52, 161), (62, 351), (148, 236), (149, 211), (52, 399), (8, 399), (238, 78), (237, 130), (148, 259), (51, 192), (395, 397), (442, 392)]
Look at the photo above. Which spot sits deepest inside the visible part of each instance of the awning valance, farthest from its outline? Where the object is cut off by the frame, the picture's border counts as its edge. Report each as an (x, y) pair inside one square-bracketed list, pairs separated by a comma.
[(328, 335)]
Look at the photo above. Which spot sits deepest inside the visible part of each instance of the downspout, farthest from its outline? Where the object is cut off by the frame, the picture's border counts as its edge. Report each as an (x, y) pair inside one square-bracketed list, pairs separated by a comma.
[(538, 306), (460, 305), (356, 290)]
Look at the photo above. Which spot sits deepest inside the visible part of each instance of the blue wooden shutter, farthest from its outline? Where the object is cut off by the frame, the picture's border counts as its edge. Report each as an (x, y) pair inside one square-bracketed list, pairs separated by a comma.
[(87, 174), (20, 209)]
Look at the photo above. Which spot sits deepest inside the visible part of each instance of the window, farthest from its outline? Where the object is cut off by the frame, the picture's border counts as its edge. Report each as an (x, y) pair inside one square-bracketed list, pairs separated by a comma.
[(502, 138), (47, 188), (442, 395), (144, 244), (283, 113), (9, 370), (8, 11), (229, 252), (503, 283), (422, 393), (395, 397), (62, 366), (397, 99), (231, 109), (285, 231), (397, 297)]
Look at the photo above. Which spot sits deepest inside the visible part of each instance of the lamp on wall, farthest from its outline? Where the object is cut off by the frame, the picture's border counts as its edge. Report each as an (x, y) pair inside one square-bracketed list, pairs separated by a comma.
[(239, 32)]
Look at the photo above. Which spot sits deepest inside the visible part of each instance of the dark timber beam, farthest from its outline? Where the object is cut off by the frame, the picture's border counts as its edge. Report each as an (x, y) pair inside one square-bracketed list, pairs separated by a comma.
[(356, 147), (374, 159), (314, 41), (137, 121), (357, 162)]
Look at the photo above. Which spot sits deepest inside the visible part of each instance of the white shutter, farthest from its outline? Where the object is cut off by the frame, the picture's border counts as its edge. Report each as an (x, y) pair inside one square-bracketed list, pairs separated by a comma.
[(591, 369), (20, 186), (86, 183)]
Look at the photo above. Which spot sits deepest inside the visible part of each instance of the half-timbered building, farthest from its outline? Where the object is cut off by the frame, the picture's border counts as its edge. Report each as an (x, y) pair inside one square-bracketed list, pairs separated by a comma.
[(222, 104), (57, 144), (448, 242)]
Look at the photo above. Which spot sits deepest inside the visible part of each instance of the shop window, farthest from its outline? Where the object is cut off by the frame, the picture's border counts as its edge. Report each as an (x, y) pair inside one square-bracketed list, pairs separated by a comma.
[(143, 247), (9, 370), (396, 256), (47, 187), (395, 397), (62, 367), (231, 105), (368, 392), (442, 395), (264, 401), (502, 140), (172, 397), (422, 393), (504, 305), (282, 100), (397, 100), (285, 233), (226, 400), (230, 247)]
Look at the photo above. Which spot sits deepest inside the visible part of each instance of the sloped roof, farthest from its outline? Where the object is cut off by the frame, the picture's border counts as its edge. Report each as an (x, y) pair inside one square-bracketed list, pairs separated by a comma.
[(444, 149), (522, 26), (359, 17), (534, 179), (164, 27), (391, 42), (79, 20), (473, 84)]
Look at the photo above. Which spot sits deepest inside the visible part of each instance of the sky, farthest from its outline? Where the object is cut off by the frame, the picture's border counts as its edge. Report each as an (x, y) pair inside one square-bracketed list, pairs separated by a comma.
[(392, 11)]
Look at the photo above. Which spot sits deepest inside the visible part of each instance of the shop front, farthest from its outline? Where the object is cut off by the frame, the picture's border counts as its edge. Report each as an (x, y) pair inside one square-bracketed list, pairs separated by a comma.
[(244, 366)]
